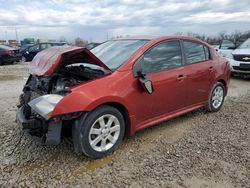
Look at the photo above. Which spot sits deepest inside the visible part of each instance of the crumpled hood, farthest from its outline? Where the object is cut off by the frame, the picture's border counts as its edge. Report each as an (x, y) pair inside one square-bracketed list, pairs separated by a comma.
[(47, 61), (241, 51)]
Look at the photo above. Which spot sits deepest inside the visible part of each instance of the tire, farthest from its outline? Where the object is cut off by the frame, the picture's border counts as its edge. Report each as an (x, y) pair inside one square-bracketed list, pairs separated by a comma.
[(212, 105), (23, 59), (94, 135)]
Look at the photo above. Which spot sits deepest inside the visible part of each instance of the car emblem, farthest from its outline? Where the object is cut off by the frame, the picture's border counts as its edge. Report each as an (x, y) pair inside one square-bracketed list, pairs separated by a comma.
[(246, 58)]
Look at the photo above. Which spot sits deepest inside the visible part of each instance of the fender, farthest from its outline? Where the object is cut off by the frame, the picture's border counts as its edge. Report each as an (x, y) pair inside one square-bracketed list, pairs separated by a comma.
[(80, 101)]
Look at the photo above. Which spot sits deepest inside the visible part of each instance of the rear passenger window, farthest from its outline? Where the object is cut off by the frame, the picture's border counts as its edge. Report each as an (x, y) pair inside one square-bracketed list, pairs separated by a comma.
[(195, 52)]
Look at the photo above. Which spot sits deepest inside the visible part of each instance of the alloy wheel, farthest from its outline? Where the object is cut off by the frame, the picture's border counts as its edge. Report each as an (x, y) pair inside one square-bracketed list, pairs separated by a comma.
[(217, 97), (104, 133)]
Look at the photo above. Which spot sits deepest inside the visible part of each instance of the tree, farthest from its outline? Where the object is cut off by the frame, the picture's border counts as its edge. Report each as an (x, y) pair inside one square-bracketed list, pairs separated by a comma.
[(62, 39), (80, 42)]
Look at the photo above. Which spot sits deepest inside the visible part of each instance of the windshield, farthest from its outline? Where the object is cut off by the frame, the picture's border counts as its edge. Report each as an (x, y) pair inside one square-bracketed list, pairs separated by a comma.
[(245, 44), (115, 52)]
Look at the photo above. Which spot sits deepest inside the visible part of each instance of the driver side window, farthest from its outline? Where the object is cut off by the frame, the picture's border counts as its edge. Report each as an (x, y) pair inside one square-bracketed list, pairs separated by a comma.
[(165, 55)]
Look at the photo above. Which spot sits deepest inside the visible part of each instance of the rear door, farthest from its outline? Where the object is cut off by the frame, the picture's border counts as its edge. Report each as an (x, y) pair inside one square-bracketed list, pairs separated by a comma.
[(162, 64), (199, 70)]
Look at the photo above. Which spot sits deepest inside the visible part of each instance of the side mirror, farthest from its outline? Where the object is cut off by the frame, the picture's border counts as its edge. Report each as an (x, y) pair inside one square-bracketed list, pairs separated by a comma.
[(145, 82)]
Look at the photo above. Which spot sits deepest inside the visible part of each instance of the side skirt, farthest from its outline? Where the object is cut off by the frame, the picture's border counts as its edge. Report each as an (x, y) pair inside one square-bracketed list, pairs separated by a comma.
[(167, 116)]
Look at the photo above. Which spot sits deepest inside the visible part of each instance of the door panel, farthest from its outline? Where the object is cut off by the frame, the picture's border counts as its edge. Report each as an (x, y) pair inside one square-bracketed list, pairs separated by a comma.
[(199, 81), (162, 64), (169, 90), (169, 94), (199, 71)]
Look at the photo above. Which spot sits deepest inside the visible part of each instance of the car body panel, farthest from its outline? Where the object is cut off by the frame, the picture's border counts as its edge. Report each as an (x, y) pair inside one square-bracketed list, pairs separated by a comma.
[(200, 80), (31, 50), (47, 61)]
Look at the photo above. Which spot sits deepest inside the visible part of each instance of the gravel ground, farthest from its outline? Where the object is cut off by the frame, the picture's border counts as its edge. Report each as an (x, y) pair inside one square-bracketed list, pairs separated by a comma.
[(198, 149)]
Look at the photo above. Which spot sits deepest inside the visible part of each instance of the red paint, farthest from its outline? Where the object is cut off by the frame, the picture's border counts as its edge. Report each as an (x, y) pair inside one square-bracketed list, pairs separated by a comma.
[(172, 96), (8, 52), (47, 61)]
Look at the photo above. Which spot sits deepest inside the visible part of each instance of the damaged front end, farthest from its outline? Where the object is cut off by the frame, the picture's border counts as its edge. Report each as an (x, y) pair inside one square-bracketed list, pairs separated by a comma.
[(53, 73)]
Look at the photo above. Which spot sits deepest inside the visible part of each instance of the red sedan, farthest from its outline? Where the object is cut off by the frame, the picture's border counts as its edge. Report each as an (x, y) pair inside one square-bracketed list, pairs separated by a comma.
[(121, 86)]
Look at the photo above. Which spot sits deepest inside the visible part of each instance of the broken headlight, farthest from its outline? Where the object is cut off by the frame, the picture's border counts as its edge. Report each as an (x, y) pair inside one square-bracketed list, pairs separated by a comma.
[(45, 104)]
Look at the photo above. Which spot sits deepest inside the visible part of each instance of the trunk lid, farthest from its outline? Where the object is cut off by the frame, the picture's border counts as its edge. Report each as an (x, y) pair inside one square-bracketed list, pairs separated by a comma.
[(47, 61)]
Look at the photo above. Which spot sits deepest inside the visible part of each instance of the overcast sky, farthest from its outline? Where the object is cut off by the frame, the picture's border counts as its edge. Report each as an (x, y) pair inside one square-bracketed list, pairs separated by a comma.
[(96, 19)]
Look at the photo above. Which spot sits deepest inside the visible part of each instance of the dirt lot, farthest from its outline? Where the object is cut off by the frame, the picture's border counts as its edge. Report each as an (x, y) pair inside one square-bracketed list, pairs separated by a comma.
[(196, 150)]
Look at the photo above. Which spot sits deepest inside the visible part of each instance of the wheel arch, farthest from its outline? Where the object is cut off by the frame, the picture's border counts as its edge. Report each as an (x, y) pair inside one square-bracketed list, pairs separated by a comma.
[(125, 113), (224, 83)]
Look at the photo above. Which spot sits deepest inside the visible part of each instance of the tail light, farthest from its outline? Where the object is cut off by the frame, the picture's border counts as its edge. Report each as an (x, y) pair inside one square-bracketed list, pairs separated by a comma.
[(8, 52)]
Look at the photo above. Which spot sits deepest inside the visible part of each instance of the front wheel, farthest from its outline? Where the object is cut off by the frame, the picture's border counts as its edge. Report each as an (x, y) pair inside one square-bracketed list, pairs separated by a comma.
[(216, 97), (100, 132)]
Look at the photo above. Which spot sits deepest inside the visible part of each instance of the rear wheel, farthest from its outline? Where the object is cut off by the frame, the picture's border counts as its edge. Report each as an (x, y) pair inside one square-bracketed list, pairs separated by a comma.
[(23, 59), (100, 132), (216, 97)]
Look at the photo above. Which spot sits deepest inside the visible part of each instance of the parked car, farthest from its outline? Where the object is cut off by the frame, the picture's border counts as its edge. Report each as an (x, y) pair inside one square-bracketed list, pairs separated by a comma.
[(240, 59), (9, 54), (92, 45), (23, 48), (227, 46), (118, 88), (29, 53)]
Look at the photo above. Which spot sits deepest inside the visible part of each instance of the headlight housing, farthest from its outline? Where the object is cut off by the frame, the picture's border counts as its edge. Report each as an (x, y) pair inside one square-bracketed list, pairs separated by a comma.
[(45, 104)]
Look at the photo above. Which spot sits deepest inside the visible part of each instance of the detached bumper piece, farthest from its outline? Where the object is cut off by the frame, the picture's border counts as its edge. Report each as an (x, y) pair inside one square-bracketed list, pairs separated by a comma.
[(49, 132)]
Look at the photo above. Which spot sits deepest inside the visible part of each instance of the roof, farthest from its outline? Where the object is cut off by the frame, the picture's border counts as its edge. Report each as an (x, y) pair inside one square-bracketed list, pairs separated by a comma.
[(158, 38)]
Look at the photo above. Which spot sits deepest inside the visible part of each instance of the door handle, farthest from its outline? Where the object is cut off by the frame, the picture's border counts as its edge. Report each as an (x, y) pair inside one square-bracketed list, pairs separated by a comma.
[(181, 77), (211, 69)]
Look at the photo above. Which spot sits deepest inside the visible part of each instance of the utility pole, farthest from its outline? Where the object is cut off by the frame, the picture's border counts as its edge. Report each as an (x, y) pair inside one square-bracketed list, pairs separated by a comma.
[(16, 34), (90, 39), (6, 36)]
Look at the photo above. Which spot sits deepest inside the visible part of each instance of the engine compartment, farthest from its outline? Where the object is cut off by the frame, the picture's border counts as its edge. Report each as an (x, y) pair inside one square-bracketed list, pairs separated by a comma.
[(59, 82), (64, 78)]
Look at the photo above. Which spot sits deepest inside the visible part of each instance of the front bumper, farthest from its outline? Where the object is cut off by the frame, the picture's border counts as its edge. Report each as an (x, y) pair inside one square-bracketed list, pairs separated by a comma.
[(239, 66), (27, 123), (49, 132)]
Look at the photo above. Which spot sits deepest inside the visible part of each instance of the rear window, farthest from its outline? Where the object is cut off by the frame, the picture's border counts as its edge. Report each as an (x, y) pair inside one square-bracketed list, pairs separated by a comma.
[(195, 52)]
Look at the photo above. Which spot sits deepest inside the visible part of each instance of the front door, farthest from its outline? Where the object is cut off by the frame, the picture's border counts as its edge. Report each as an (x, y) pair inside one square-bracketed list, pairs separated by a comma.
[(162, 64)]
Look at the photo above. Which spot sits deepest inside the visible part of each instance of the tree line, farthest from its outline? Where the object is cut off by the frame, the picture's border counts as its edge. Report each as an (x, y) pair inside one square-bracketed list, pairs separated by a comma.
[(237, 37)]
